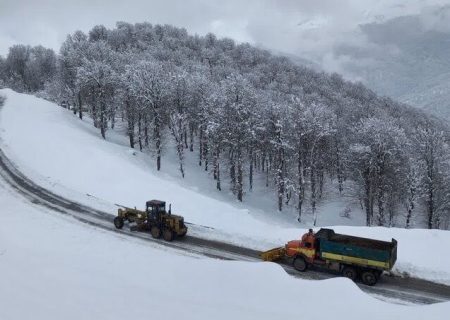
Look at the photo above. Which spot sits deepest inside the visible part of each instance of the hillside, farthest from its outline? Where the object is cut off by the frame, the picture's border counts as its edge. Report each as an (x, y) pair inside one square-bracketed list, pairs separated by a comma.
[(117, 174), (150, 171), (61, 265), (253, 120)]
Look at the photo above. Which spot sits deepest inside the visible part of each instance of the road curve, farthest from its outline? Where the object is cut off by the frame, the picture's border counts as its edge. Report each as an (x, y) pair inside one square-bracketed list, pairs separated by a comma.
[(396, 289)]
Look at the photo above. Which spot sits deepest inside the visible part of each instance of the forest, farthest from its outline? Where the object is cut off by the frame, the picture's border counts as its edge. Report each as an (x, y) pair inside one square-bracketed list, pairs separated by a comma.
[(245, 112)]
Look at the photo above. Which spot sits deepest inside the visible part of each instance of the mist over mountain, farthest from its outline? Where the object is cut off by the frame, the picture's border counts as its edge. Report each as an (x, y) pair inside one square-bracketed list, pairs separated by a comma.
[(406, 58)]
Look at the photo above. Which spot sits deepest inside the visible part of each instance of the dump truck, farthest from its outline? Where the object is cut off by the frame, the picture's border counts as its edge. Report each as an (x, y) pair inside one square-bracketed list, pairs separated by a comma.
[(353, 257), (155, 219)]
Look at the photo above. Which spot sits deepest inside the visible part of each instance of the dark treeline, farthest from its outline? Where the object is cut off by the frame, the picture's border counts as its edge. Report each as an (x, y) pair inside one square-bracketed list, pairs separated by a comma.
[(246, 112)]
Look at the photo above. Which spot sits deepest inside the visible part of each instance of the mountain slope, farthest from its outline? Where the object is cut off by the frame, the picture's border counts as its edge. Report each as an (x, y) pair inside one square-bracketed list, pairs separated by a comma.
[(117, 174), (405, 58)]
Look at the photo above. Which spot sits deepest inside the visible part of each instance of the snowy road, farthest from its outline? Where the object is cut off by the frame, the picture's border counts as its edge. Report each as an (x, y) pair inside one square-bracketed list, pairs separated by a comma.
[(393, 289)]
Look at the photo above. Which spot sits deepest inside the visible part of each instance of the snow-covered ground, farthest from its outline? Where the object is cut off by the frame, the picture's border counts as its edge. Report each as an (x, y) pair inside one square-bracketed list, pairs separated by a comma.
[(60, 152), (53, 267)]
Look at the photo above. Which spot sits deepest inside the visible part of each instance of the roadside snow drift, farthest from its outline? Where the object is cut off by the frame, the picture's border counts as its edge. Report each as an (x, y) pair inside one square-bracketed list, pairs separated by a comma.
[(55, 268), (60, 152)]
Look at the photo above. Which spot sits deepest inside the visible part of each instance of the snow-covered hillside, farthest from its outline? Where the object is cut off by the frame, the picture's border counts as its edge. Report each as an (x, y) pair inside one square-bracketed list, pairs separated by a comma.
[(55, 268), (66, 155)]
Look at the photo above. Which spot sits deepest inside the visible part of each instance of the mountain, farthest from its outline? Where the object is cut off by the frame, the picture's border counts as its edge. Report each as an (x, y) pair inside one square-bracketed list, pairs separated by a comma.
[(406, 58)]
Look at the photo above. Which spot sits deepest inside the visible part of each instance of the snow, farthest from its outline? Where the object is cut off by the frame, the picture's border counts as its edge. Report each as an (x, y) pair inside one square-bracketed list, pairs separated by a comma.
[(66, 155), (56, 268)]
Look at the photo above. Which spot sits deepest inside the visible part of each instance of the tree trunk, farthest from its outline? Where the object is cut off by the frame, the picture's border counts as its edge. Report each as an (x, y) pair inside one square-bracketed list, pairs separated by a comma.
[(313, 193), (200, 145), (157, 139), (408, 218), (301, 189), (368, 201), (205, 152), (140, 131), (381, 214), (103, 121), (131, 124), (321, 181), (280, 183), (430, 208), (232, 173), (113, 120), (185, 137), (80, 106), (250, 175), (339, 171), (239, 178), (94, 107), (146, 131), (191, 137), (217, 168)]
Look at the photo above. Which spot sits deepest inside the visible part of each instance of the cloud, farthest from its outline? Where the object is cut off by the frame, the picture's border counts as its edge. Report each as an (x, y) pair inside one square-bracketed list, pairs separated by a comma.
[(436, 18), (309, 29)]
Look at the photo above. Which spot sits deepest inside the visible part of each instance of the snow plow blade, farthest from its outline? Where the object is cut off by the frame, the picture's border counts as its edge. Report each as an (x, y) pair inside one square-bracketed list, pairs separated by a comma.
[(273, 254)]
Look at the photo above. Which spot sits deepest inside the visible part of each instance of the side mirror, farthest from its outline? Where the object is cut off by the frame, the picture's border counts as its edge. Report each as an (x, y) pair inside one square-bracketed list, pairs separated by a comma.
[(170, 208)]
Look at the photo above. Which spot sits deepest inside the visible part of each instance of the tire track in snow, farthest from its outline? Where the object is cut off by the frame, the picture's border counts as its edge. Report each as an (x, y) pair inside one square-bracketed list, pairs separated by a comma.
[(394, 289)]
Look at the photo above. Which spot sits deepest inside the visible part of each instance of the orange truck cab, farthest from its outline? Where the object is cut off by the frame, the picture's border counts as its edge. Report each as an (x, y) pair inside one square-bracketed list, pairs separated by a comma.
[(303, 251)]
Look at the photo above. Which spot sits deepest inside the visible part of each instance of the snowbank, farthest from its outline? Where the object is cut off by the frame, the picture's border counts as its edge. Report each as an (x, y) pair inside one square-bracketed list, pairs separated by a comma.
[(68, 156), (55, 149), (55, 268)]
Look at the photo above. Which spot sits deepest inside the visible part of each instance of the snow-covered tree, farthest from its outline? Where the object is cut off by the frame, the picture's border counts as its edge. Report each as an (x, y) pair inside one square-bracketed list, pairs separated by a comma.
[(150, 86), (97, 76), (246, 114), (433, 150), (377, 156)]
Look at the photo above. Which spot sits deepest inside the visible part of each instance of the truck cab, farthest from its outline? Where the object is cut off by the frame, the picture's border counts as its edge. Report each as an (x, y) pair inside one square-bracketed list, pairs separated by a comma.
[(304, 249)]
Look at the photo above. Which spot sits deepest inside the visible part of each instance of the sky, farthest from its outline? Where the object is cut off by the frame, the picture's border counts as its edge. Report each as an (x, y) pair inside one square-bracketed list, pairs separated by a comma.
[(306, 28)]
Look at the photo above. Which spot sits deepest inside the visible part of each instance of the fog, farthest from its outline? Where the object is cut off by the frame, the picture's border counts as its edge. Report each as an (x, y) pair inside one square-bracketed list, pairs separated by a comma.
[(309, 29)]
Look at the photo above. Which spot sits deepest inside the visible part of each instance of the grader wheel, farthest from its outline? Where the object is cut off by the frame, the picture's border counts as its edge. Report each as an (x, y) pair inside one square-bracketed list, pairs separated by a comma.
[(118, 222), (156, 232), (167, 235), (183, 234)]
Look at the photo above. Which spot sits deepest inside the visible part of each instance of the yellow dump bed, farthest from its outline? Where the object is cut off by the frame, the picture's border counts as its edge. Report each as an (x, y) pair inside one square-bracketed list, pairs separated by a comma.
[(273, 254)]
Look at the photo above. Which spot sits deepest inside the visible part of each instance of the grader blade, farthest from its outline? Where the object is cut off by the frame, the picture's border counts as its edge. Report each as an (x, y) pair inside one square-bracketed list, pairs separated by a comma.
[(273, 254), (140, 227)]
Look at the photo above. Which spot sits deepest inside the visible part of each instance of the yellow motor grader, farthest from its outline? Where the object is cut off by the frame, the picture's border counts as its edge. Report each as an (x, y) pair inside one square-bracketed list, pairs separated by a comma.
[(155, 219)]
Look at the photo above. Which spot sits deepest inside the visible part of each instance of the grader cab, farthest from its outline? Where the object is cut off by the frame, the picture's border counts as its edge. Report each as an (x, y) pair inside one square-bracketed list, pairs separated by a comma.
[(155, 219)]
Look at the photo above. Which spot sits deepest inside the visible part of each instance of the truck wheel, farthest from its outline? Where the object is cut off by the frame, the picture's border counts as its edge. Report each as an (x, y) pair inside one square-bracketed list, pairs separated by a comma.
[(167, 235), (299, 264), (182, 234), (118, 222), (350, 273), (156, 232), (369, 278)]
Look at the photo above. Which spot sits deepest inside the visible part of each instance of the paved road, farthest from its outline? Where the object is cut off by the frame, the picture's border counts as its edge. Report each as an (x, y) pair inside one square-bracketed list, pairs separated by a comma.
[(394, 289)]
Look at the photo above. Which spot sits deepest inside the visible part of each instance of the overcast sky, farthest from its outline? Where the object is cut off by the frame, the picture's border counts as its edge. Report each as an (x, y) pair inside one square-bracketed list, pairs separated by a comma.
[(306, 28)]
